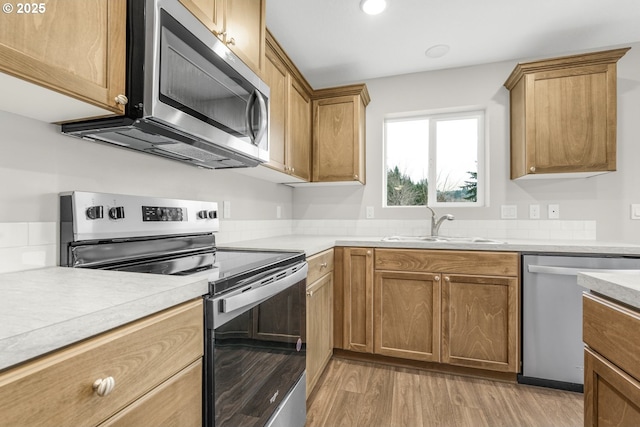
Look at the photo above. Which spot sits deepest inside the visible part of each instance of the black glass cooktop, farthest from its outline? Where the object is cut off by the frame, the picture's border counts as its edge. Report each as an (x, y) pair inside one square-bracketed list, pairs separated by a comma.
[(237, 265)]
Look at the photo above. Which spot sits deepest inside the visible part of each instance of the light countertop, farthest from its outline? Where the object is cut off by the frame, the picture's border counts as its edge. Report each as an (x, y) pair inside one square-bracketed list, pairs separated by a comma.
[(45, 309), (618, 286), (313, 244)]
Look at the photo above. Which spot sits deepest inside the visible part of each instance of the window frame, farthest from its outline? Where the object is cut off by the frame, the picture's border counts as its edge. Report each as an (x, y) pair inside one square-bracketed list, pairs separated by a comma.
[(433, 117)]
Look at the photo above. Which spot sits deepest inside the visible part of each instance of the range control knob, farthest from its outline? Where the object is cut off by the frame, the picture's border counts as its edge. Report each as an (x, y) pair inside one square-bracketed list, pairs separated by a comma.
[(202, 214), (213, 214), (116, 212), (94, 212)]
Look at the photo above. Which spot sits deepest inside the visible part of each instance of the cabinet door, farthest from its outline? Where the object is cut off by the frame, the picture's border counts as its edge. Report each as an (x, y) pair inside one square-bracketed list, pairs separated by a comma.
[(571, 126), (209, 12), (407, 315), (611, 396), (336, 145), (73, 47), (358, 299), (480, 322), (276, 76), (245, 31), (299, 138), (319, 328)]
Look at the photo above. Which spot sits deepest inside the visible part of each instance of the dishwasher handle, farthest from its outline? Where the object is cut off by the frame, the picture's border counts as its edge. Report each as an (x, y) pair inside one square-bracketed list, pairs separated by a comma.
[(573, 271)]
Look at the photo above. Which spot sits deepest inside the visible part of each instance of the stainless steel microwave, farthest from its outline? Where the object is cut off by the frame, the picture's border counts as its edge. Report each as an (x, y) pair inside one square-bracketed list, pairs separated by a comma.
[(189, 98)]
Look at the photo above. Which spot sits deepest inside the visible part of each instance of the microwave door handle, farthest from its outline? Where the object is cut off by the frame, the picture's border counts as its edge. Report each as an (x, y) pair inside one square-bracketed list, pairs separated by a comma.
[(263, 118), (248, 116)]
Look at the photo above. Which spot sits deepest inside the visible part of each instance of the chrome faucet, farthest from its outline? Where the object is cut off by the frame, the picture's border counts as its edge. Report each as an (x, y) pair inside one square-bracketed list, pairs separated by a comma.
[(435, 224)]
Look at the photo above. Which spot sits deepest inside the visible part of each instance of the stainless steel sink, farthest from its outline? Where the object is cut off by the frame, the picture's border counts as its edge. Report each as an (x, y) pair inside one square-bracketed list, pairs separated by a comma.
[(441, 239)]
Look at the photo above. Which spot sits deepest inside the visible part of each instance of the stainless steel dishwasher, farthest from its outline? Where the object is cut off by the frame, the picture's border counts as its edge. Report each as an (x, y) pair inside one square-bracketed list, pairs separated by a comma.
[(552, 348)]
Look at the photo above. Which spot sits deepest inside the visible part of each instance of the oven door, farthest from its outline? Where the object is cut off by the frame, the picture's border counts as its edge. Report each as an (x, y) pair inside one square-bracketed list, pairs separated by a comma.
[(255, 355)]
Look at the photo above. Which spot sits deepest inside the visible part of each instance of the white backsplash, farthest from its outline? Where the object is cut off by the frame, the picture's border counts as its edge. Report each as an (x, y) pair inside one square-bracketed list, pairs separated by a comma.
[(29, 245)]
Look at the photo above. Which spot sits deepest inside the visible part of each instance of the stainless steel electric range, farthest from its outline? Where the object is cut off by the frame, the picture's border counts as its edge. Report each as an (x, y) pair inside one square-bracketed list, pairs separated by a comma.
[(254, 317)]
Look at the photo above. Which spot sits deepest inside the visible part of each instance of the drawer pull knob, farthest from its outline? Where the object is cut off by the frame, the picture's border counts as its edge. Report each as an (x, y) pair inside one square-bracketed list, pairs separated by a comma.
[(121, 100), (323, 265), (103, 387)]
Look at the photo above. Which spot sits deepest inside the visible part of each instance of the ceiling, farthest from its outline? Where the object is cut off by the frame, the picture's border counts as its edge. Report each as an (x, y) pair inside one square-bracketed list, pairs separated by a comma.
[(333, 43)]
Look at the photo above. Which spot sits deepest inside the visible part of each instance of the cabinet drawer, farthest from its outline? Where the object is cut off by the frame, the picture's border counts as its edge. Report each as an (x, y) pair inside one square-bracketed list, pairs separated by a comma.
[(177, 402), (319, 265), (613, 331), (58, 389), (459, 262)]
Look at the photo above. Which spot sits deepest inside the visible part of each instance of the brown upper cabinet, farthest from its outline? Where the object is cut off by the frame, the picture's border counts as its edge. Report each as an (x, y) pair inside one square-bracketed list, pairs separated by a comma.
[(290, 121), (563, 115), (240, 24), (339, 133), (72, 47)]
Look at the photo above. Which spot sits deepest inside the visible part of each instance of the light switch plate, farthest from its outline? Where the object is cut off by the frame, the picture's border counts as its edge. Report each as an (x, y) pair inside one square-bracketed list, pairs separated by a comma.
[(226, 209), (508, 212), (635, 211), (554, 211)]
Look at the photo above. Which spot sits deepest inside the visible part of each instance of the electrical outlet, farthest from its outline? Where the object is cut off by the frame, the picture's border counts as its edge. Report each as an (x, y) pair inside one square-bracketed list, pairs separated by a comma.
[(226, 209), (508, 212), (635, 211), (370, 212), (534, 211), (278, 212), (554, 211)]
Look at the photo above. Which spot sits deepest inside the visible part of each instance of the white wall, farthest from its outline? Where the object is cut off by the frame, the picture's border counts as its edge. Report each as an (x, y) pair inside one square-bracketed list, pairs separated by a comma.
[(37, 162), (605, 199)]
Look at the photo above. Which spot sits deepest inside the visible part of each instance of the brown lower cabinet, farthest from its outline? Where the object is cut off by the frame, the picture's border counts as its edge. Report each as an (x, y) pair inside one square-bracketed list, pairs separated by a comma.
[(611, 332), (407, 315), (155, 362), (456, 308), (319, 316)]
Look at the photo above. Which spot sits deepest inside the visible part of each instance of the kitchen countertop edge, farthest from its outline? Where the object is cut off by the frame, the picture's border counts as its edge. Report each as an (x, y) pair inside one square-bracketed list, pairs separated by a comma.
[(618, 286)]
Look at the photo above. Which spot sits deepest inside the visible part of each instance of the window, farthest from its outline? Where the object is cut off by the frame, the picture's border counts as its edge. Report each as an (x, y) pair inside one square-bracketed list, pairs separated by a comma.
[(446, 149)]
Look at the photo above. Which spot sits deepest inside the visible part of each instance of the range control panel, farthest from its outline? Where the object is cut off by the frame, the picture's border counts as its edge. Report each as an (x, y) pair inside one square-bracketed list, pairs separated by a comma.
[(101, 215), (157, 213)]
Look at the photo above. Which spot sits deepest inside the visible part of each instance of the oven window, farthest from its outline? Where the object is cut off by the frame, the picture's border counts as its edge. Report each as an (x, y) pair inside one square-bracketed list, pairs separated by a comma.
[(259, 356)]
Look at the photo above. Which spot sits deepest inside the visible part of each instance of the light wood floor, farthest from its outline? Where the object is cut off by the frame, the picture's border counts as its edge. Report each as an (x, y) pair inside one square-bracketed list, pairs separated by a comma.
[(354, 394)]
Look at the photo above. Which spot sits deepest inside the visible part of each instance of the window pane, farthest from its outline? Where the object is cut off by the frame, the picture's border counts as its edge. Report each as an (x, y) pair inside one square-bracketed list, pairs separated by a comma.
[(407, 161), (457, 160), (444, 149)]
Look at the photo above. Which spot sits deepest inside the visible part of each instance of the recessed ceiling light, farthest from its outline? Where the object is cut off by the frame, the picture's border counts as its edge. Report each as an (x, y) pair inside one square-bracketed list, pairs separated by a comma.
[(437, 51), (373, 7)]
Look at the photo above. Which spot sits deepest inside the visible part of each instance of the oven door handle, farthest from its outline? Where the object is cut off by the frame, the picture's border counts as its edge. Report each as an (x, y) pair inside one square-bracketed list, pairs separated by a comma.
[(254, 296)]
